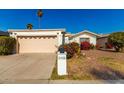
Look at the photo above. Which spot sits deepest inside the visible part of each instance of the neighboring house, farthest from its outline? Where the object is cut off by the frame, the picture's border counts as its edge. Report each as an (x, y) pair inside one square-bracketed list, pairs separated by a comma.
[(102, 40), (2, 33), (37, 40), (84, 36)]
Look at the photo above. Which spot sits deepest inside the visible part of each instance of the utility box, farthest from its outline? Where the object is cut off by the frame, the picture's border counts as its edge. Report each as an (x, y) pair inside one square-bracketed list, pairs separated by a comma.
[(62, 64)]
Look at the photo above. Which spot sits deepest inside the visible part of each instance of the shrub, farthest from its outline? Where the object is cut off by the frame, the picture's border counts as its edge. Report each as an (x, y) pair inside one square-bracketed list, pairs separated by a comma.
[(85, 45), (92, 46), (108, 45), (3, 50), (75, 46), (69, 50), (98, 46), (117, 40), (7, 45)]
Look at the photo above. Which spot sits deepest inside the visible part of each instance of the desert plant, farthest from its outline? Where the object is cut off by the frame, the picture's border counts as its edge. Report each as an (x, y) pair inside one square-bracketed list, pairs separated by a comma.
[(7, 45), (117, 40), (85, 45)]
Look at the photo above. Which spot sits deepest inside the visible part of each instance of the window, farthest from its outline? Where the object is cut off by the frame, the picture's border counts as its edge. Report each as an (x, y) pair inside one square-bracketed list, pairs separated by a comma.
[(84, 39)]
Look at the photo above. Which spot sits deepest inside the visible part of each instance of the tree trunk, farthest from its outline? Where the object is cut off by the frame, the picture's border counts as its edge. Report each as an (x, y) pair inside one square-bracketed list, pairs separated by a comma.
[(39, 23)]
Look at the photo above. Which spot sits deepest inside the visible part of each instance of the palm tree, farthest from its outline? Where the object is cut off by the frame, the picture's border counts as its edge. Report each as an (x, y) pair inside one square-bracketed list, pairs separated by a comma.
[(29, 26), (39, 14)]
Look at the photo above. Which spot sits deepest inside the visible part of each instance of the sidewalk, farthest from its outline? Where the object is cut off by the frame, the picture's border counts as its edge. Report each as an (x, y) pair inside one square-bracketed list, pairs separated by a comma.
[(62, 82)]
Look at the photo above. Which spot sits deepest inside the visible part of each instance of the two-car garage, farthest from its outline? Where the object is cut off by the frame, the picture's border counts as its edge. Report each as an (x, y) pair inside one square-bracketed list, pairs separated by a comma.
[(37, 44), (37, 41)]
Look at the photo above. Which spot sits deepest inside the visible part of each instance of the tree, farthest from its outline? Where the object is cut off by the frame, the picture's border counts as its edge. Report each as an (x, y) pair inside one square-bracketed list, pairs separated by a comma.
[(117, 40), (29, 26), (39, 14)]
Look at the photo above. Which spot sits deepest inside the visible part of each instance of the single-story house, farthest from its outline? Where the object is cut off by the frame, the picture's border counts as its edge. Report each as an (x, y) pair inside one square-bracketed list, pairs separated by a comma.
[(48, 40), (37, 40), (84, 36)]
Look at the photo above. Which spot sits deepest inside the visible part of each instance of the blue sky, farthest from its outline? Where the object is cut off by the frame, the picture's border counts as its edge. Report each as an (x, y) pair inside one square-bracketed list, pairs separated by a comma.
[(99, 21)]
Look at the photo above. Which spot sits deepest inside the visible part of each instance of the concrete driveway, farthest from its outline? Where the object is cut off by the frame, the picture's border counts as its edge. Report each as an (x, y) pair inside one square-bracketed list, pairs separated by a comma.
[(26, 67)]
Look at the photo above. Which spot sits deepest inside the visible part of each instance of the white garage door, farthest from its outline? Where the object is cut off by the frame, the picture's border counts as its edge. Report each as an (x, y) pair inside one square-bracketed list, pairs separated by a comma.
[(32, 44)]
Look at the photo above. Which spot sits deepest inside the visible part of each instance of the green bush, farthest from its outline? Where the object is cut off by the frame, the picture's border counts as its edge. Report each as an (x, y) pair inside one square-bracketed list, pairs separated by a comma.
[(117, 40), (92, 46), (7, 45)]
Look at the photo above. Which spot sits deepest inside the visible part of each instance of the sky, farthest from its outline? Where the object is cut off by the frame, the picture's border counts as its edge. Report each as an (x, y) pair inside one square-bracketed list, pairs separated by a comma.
[(73, 20)]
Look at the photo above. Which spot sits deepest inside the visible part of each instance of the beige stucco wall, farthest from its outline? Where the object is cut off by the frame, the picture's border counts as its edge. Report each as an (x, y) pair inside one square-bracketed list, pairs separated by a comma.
[(84, 35)]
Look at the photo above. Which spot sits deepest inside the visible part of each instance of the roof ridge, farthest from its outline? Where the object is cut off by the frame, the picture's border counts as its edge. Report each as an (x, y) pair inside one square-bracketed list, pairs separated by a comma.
[(88, 32)]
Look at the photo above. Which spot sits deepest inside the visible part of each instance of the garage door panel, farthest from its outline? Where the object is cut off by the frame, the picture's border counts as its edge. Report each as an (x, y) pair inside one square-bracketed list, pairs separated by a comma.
[(37, 44)]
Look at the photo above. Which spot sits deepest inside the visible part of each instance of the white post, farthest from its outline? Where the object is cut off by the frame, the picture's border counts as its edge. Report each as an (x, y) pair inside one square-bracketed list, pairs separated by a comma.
[(62, 64), (59, 36)]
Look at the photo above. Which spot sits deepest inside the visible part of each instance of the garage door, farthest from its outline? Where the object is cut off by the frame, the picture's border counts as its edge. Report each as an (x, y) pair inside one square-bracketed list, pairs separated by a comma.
[(37, 44)]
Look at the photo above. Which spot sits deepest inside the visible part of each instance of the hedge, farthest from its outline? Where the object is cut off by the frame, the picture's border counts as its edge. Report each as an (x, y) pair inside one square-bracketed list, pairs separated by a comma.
[(7, 45)]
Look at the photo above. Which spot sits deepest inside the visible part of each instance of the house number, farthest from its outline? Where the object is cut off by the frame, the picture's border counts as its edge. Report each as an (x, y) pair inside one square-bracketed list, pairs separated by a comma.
[(61, 57)]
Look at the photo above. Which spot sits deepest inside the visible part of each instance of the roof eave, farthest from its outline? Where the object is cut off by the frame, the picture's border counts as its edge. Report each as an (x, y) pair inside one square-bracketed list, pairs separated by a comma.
[(32, 30), (85, 32)]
